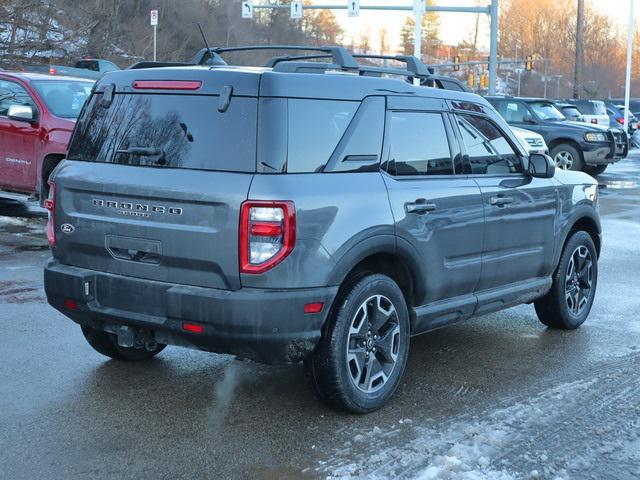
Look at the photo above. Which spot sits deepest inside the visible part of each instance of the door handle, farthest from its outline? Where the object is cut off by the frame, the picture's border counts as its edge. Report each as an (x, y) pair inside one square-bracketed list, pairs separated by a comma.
[(501, 201), (420, 206)]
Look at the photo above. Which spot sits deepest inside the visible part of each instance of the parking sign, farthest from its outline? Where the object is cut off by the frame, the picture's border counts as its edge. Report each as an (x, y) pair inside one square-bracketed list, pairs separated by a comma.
[(296, 9), (354, 7), (247, 9), (154, 17)]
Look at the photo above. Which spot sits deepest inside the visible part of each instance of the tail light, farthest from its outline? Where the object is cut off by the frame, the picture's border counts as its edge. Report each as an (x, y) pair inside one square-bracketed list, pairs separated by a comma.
[(594, 120), (52, 71), (620, 120), (50, 205), (267, 234)]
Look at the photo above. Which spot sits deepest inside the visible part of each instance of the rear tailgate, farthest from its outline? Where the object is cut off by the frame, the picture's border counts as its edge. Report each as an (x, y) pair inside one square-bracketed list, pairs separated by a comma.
[(178, 226), (155, 178)]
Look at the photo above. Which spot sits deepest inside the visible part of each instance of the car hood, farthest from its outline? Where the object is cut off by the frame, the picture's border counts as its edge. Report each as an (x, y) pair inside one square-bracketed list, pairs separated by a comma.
[(585, 127), (572, 177)]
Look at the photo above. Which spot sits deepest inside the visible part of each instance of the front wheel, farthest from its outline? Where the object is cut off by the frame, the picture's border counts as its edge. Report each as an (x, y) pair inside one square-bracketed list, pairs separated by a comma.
[(363, 353), (568, 302), (567, 157)]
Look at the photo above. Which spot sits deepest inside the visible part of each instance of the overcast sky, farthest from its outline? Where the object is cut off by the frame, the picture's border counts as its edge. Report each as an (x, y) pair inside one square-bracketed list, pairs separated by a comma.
[(454, 27)]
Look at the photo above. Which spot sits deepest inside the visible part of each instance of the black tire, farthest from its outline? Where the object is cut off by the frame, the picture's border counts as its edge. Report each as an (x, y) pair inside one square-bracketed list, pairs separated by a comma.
[(556, 308), (364, 303), (567, 150), (595, 170), (107, 344)]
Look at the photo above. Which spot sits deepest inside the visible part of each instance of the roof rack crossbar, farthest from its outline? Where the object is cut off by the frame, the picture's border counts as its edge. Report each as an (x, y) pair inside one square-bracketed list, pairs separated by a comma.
[(341, 55), (414, 65)]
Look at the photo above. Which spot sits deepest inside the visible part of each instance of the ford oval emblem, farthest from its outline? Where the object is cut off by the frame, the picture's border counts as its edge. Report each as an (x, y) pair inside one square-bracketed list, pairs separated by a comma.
[(67, 228)]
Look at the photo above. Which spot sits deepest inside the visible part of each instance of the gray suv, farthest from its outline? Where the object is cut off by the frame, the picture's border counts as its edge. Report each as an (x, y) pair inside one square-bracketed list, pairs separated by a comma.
[(309, 211)]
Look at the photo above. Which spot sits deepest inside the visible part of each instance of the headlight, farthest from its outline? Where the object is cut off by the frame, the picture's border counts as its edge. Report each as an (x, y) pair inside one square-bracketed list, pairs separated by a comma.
[(595, 137)]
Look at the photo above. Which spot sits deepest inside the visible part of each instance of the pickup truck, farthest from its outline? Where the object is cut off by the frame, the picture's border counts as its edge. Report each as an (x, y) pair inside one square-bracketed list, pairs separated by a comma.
[(37, 116), (86, 68)]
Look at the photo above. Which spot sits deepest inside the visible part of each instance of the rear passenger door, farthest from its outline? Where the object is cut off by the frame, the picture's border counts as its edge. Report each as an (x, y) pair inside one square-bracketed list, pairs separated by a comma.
[(519, 210), (437, 211)]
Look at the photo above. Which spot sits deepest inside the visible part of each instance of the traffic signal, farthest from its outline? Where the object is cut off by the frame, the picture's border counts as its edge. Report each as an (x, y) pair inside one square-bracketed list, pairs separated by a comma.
[(528, 66), (456, 63), (471, 80), (484, 81)]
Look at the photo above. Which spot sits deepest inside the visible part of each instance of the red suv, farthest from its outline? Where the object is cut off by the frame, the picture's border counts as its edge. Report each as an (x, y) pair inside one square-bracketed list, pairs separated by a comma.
[(37, 116)]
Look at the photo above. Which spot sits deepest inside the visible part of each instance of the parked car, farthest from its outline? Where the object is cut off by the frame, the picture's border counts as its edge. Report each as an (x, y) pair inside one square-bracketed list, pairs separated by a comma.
[(284, 214), (37, 116), (634, 104), (616, 117), (570, 111), (531, 141), (593, 111), (84, 68), (573, 145)]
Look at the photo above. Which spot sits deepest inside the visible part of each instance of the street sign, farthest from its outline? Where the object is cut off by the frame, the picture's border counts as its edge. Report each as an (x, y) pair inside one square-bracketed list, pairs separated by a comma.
[(154, 17), (247, 9), (354, 8), (419, 7), (296, 9)]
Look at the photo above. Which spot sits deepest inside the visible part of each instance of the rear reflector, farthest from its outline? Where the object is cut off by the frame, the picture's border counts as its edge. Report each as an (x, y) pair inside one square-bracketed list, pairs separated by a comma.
[(70, 304), (315, 307), (167, 84), (192, 327)]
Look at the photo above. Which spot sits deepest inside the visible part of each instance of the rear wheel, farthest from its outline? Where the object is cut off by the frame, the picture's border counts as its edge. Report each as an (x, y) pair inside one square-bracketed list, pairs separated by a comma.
[(595, 170), (567, 157), (107, 344), (362, 356), (568, 303)]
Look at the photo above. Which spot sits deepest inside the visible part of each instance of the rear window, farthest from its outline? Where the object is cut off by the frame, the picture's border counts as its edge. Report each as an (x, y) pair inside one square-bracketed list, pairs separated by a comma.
[(171, 131)]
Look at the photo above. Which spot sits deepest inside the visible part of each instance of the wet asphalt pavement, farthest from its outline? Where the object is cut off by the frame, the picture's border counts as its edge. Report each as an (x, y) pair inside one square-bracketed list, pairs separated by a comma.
[(499, 397)]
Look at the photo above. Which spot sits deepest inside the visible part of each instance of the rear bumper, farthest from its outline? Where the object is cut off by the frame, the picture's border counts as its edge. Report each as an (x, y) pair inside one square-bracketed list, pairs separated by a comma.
[(264, 325)]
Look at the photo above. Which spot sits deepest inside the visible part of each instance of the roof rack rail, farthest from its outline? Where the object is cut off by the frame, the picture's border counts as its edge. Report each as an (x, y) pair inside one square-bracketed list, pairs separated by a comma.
[(414, 64), (340, 55)]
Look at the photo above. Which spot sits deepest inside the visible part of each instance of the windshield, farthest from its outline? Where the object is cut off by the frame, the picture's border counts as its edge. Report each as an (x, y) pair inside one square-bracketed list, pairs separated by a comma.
[(64, 97), (572, 112), (546, 111)]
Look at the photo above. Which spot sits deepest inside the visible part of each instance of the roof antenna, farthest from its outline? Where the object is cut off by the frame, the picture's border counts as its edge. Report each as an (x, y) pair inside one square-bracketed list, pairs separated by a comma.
[(206, 44)]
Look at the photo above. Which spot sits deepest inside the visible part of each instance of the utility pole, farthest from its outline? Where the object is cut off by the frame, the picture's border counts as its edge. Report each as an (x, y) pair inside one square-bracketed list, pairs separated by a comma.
[(577, 75), (493, 47)]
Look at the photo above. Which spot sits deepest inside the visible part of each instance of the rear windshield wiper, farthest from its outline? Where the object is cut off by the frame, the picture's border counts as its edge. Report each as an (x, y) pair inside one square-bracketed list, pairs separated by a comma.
[(158, 153)]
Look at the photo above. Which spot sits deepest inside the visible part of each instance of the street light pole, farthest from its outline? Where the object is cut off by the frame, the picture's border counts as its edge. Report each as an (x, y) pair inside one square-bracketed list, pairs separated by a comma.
[(627, 85), (493, 47), (417, 39)]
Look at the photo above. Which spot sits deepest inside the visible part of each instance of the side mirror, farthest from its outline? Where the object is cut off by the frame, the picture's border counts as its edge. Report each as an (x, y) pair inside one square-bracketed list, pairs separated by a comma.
[(22, 113), (541, 166)]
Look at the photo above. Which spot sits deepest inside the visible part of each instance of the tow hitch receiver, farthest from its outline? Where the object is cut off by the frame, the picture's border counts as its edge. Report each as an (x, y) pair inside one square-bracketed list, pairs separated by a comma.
[(133, 337)]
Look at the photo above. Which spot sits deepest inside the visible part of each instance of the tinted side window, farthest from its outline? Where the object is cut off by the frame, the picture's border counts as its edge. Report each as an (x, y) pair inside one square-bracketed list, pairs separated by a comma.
[(315, 128), (488, 150), (513, 112), (13, 94), (418, 144)]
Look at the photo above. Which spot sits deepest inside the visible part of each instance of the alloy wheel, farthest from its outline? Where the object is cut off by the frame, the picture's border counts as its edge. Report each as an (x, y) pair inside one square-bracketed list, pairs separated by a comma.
[(579, 280), (373, 343), (564, 160)]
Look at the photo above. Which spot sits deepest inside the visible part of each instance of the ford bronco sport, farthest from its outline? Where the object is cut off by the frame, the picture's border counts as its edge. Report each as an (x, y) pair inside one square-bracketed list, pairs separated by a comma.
[(315, 211)]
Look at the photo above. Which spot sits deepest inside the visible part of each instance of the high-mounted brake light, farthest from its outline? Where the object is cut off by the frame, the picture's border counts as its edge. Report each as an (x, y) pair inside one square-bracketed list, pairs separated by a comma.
[(50, 205), (267, 234), (52, 71), (167, 84)]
